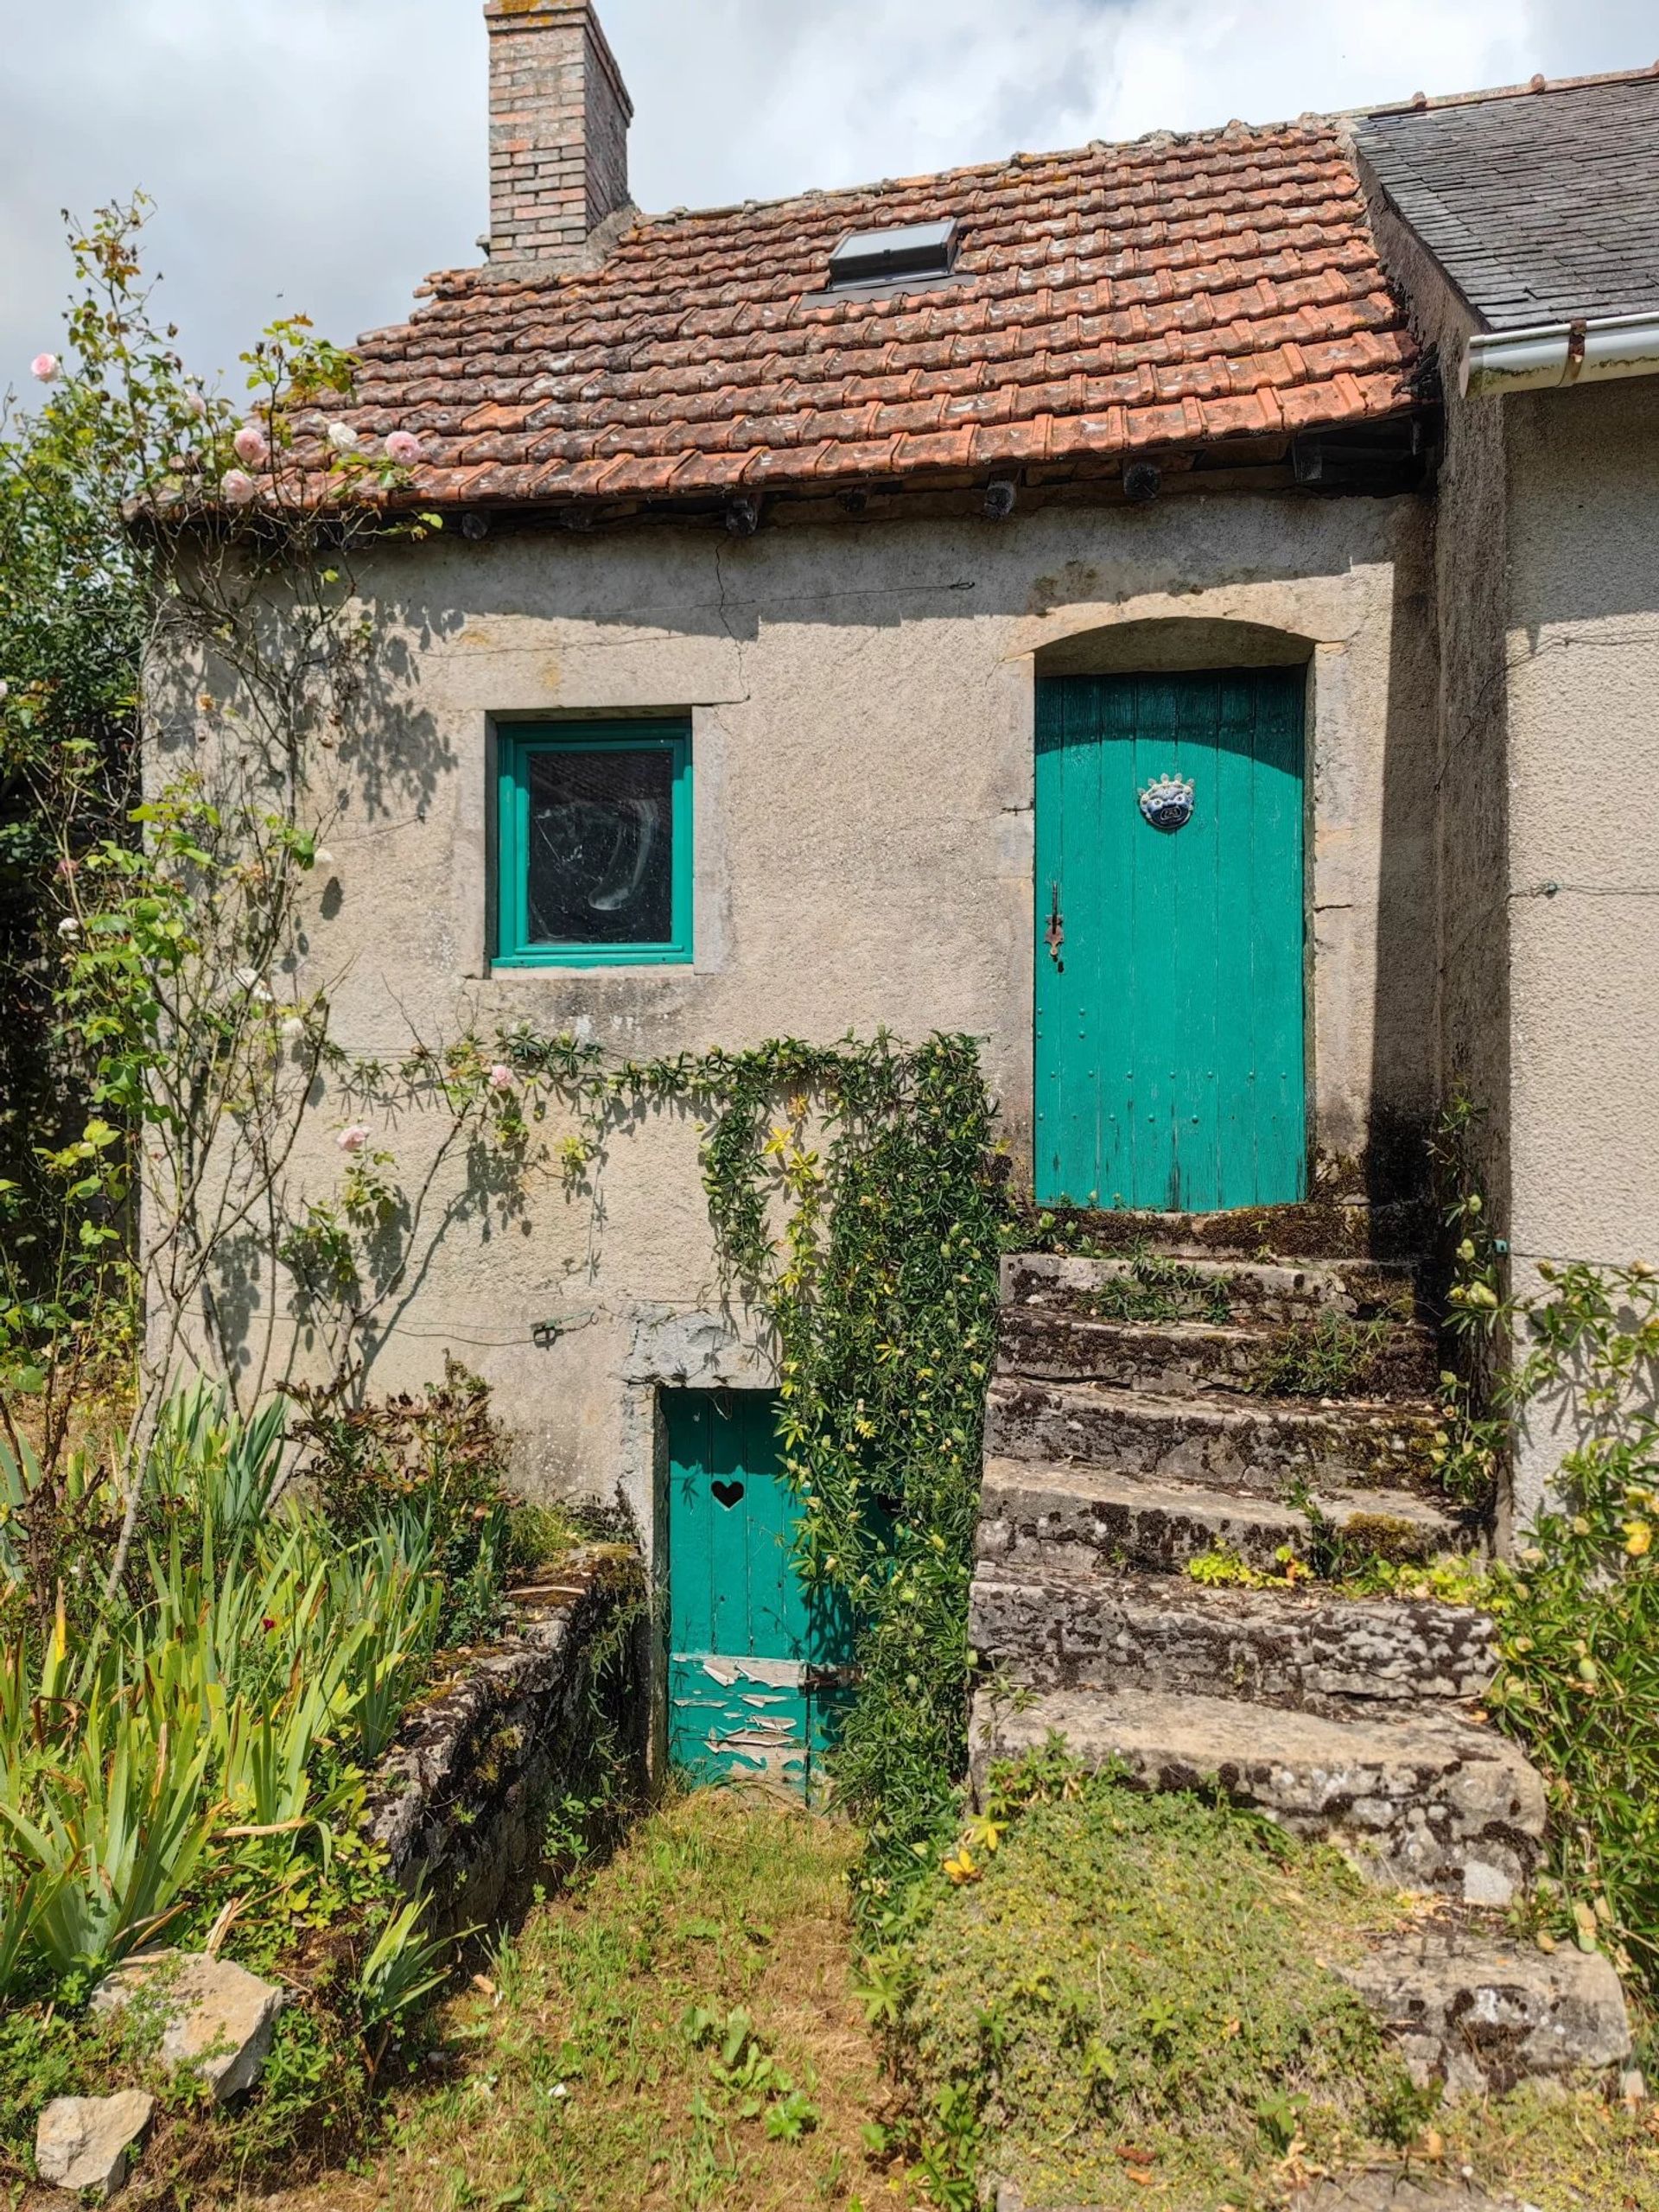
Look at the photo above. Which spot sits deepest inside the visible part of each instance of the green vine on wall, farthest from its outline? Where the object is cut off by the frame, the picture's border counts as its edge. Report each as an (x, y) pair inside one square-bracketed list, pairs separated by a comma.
[(856, 1204)]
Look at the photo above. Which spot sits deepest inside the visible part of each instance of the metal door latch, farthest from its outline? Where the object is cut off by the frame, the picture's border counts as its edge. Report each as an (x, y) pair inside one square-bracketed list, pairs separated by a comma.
[(1054, 936)]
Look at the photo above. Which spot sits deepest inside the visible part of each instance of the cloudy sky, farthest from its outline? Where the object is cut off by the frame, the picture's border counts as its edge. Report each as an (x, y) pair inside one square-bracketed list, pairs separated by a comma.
[(324, 155)]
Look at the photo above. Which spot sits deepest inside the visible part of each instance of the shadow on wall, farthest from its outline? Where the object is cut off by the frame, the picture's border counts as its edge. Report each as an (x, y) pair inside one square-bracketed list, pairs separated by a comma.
[(1405, 1055)]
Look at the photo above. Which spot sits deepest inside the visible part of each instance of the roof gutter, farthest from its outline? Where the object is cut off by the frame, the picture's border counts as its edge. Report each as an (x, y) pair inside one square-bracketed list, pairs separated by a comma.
[(1549, 354)]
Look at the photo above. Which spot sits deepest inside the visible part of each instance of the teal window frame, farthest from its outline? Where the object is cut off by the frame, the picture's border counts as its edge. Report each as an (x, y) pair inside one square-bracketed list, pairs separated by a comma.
[(516, 746)]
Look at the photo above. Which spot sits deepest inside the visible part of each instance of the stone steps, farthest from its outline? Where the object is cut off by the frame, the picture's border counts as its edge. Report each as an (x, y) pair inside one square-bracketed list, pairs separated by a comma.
[(1122, 1441), (1262, 1445), (1272, 1290), (1273, 1647), (1170, 1358), (1420, 1800), (1094, 1519)]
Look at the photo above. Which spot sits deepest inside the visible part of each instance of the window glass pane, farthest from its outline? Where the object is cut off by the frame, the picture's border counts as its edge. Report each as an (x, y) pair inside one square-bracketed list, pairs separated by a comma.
[(601, 846)]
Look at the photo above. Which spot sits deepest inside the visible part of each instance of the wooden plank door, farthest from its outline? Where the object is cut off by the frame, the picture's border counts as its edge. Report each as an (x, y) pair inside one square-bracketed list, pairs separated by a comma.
[(1169, 1047), (757, 1666)]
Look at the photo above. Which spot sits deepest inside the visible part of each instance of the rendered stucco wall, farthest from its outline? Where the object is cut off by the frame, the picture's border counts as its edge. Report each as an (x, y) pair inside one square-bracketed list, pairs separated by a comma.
[(862, 702), (1582, 652)]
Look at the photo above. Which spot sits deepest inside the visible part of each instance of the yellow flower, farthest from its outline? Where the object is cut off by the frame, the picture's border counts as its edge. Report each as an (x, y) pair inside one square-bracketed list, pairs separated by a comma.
[(1638, 1538)]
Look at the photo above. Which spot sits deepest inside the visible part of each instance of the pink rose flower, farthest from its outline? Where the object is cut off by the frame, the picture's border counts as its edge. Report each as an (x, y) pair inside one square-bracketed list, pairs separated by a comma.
[(353, 1139), (405, 447), (500, 1077), (237, 485), (342, 437), (251, 443), (45, 368), (194, 404)]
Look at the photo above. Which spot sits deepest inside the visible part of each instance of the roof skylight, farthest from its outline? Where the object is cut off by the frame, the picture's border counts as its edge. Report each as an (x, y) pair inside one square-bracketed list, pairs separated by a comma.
[(908, 250)]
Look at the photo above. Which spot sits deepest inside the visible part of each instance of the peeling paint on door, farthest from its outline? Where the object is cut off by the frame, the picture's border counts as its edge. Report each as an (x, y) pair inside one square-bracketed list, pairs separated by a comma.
[(758, 1667)]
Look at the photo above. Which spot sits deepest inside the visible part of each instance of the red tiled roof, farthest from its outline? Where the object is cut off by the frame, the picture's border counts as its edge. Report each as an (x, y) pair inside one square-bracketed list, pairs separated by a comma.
[(1121, 299)]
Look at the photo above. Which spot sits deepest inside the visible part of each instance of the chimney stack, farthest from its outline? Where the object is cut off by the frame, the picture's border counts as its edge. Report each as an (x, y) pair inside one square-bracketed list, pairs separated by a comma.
[(559, 117)]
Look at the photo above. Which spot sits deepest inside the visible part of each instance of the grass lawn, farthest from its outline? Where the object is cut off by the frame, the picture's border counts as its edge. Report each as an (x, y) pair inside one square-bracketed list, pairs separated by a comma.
[(678, 2030)]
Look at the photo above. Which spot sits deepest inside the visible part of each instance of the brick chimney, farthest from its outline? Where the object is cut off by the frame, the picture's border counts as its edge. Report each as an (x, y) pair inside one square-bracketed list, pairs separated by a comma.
[(559, 117)]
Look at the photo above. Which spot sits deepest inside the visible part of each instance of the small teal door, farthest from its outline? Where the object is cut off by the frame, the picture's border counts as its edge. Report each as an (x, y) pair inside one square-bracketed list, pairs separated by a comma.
[(1169, 1067), (758, 1667)]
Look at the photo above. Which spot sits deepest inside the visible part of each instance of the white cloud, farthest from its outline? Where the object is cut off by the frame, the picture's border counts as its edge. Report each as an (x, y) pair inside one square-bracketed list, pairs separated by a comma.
[(325, 154)]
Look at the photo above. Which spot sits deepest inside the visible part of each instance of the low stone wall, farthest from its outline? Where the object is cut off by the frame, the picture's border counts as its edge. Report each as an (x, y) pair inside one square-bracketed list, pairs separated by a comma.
[(459, 1801)]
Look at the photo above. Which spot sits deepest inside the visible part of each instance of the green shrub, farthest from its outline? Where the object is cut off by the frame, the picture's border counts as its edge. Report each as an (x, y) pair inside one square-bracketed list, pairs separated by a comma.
[(1578, 1682), (1113, 1968), (229, 1696), (435, 1466)]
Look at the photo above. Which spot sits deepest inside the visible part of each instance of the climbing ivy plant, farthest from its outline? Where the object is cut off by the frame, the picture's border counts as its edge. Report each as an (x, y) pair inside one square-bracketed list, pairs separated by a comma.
[(857, 1204)]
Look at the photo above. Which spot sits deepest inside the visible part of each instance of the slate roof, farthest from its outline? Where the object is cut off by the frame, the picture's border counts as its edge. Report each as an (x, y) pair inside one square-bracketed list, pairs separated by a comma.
[(1115, 301), (1541, 205)]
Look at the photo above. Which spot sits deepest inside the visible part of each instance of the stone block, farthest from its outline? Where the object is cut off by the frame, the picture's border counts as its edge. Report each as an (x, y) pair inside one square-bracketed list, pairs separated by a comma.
[(1247, 1444), (1086, 1519), (1054, 1632), (218, 2017), (1479, 2016), (1417, 1801), (85, 2143)]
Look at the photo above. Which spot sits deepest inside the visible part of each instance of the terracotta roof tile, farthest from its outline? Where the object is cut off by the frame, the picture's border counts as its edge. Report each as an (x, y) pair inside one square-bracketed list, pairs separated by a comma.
[(1116, 299)]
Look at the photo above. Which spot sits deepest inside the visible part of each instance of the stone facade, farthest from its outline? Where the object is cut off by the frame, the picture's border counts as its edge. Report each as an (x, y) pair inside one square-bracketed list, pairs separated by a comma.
[(861, 695)]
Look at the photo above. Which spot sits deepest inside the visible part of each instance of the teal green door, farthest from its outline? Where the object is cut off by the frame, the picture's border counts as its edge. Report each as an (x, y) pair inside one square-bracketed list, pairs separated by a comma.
[(758, 1667), (1169, 1068)]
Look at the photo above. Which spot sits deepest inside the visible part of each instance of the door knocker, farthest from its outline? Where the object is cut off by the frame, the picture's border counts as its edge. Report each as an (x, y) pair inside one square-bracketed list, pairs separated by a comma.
[(1167, 803)]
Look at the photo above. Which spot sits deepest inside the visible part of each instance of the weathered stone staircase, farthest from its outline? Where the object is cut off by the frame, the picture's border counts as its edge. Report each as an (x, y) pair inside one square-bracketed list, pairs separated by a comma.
[(1129, 1436)]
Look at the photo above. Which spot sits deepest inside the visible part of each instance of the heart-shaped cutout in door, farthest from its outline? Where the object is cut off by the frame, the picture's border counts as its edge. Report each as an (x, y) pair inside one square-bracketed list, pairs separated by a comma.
[(727, 1493)]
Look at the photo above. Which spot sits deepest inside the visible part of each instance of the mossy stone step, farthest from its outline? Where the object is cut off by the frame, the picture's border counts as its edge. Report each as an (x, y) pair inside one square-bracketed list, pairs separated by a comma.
[(1256, 1444), (1310, 1228), (1269, 1290), (1053, 1630), (1476, 2014), (1417, 1799), (1178, 1357), (1087, 1519)]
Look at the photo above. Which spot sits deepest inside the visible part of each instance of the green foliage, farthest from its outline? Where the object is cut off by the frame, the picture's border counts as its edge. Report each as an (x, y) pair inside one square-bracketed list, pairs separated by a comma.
[(1580, 1676), (1331, 1356), (746, 2076), (159, 538), (436, 1467), (1125, 1968), (855, 1200), (76, 594), (670, 2029), (221, 1707), (403, 1966), (1154, 1287), (1451, 1578), (1580, 1679)]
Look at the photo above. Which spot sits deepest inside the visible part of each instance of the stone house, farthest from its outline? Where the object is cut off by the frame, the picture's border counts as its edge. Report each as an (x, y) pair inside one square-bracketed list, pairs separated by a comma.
[(1126, 604), (1524, 230)]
